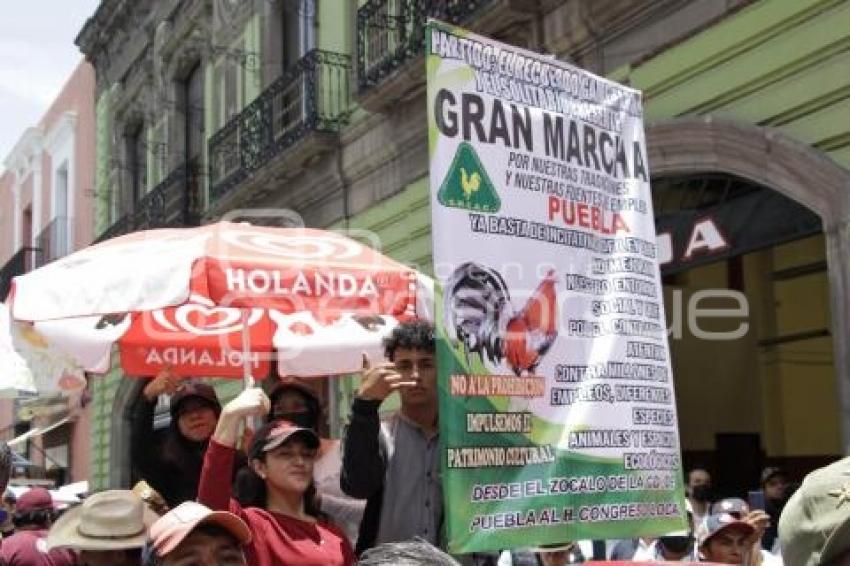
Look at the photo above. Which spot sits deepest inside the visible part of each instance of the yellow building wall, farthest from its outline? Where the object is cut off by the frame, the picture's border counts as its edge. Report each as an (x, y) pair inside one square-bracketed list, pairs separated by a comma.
[(784, 392), (801, 373), (715, 390)]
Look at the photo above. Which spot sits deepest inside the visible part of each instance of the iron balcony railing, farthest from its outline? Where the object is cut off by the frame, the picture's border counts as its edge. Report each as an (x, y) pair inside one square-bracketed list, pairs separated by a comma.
[(55, 239), (25, 259), (173, 203), (391, 32), (310, 97)]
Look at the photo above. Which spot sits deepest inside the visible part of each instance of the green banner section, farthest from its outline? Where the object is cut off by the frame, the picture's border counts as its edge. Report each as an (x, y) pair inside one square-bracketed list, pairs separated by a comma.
[(573, 498)]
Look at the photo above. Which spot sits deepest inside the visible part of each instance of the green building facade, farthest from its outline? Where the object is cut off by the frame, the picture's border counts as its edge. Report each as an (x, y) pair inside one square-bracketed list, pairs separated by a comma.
[(319, 107)]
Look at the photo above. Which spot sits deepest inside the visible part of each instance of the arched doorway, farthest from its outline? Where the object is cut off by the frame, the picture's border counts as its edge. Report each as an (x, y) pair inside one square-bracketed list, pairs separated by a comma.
[(749, 211)]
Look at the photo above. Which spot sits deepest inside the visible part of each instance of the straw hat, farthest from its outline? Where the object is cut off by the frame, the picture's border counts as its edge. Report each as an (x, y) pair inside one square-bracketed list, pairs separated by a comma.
[(109, 520)]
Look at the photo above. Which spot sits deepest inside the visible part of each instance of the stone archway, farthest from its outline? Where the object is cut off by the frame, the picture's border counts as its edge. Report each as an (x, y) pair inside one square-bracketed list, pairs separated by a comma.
[(127, 393), (766, 156)]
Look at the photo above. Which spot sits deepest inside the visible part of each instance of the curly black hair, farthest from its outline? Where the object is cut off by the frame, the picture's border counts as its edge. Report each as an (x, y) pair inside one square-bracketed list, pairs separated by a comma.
[(415, 335)]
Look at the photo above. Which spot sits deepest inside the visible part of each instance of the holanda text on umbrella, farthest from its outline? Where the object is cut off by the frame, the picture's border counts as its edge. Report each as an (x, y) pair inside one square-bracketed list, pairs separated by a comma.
[(314, 283)]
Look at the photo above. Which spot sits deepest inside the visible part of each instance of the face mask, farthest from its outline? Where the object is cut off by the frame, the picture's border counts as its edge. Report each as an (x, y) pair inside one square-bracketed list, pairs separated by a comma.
[(677, 545), (701, 493)]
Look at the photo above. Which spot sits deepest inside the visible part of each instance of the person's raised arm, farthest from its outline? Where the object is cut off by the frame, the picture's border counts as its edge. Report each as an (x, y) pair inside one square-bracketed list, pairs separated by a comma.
[(214, 489), (141, 419), (760, 521), (363, 450)]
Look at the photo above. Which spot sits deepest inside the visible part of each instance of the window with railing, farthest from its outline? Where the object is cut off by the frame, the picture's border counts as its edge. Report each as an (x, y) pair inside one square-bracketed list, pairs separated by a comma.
[(298, 30), (312, 96), (171, 203), (382, 32), (287, 105), (391, 32)]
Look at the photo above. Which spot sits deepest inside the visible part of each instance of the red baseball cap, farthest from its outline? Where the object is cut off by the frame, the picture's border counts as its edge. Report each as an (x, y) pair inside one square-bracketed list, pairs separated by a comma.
[(171, 529), (273, 434), (35, 499)]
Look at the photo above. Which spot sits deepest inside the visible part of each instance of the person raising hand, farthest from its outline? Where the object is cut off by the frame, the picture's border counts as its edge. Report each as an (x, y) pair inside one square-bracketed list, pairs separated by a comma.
[(284, 517), (170, 460), (395, 464)]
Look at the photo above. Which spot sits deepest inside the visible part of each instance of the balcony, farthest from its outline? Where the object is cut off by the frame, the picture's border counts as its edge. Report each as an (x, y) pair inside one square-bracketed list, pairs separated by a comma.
[(305, 107), (171, 204), (391, 40), (55, 240), (25, 259)]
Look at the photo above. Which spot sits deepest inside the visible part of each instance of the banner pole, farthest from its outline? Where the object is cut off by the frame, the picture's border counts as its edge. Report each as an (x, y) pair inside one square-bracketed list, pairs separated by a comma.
[(247, 377)]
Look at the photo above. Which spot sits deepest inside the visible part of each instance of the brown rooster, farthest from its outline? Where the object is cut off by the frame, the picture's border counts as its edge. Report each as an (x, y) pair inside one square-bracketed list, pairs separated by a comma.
[(478, 311)]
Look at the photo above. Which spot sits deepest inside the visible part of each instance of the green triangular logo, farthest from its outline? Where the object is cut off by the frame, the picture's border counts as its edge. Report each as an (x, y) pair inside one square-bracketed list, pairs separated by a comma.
[(467, 184)]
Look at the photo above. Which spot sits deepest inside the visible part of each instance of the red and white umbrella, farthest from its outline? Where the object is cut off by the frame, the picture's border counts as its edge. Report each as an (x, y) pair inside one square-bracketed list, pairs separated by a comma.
[(221, 300), (15, 376)]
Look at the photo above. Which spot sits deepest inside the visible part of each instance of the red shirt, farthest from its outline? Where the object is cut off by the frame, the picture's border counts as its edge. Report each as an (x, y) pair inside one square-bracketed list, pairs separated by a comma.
[(29, 548), (278, 539)]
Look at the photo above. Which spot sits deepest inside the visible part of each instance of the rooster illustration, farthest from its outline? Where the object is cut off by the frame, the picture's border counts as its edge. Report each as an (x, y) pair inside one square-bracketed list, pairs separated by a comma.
[(469, 183), (479, 312)]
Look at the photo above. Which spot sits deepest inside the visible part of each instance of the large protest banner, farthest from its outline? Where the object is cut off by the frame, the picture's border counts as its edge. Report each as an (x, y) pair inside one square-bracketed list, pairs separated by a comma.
[(557, 410)]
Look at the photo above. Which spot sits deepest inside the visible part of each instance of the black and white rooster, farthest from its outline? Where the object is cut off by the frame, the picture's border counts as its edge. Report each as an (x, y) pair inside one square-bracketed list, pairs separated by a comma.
[(479, 313)]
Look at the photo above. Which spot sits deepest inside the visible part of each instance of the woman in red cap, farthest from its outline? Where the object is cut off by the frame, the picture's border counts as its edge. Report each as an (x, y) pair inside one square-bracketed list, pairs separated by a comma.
[(296, 402), (284, 517)]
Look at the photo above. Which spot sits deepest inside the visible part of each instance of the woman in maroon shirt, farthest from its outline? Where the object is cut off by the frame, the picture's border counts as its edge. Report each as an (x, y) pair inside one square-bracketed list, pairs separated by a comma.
[(285, 524)]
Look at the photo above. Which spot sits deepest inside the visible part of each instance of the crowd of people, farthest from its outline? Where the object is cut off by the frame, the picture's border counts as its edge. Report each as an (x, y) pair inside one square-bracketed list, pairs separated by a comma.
[(726, 531), (215, 491)]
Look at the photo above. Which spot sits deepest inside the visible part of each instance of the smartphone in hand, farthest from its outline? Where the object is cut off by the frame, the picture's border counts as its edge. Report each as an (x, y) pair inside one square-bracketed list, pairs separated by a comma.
[(755, 499)]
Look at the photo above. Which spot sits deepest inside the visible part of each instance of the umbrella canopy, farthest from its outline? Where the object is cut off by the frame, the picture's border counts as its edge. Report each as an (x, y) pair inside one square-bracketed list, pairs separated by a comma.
[(77, 489), (15, 377), (219, 300)]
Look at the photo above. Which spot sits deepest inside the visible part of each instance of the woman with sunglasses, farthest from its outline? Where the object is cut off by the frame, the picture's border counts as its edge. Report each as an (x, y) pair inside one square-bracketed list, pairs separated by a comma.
[(284, 518)]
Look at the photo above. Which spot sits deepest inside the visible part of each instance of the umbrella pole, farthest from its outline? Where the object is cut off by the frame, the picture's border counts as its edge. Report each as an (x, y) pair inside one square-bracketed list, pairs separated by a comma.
[(247, 378)]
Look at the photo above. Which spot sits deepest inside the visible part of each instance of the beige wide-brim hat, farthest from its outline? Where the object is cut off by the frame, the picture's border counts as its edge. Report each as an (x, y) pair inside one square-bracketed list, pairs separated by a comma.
[(110, 520)]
